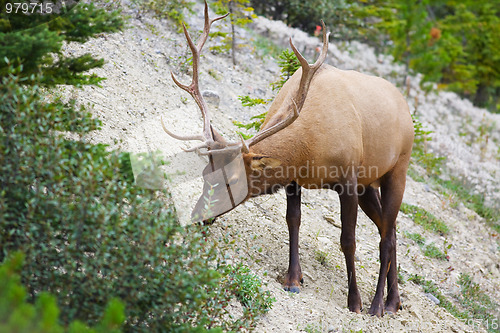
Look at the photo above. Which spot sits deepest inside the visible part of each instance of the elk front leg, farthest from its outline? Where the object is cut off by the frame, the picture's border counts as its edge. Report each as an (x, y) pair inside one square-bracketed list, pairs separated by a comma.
[(348, 215), (293, 277)]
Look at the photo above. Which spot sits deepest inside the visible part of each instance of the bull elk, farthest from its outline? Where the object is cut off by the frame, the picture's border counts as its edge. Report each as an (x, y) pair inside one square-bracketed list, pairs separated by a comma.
[(352, 132)]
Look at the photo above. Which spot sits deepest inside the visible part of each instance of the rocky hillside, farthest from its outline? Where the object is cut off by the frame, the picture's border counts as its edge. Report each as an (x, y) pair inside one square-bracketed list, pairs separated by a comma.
[(139, 90)]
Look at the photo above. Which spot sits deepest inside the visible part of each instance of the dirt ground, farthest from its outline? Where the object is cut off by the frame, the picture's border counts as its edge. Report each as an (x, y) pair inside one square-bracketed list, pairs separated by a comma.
[(139, 90)]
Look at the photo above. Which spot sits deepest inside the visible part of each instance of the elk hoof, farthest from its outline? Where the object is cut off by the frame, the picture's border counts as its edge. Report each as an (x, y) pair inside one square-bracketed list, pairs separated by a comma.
[(355, 309), (391, 309), (354, 302), (376, 311), (292, 289), (292, 284)]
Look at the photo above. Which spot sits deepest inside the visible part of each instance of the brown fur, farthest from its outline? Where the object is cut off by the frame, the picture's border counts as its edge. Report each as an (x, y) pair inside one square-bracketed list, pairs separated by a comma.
[(328, 128), (356, 124)]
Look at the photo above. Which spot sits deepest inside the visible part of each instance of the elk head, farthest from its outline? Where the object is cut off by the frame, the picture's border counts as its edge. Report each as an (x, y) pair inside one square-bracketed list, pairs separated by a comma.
[(234, 173)]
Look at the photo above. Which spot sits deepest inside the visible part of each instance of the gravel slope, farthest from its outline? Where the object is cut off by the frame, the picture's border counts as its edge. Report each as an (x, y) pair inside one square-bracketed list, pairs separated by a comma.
[(139, 90)]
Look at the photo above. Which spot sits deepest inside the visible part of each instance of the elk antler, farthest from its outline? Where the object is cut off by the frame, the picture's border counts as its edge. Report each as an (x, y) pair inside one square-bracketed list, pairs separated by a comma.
[(308, 72), (193, 89)]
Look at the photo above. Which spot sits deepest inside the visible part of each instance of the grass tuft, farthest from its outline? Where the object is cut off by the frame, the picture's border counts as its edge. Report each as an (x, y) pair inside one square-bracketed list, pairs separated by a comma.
[(425, 219)]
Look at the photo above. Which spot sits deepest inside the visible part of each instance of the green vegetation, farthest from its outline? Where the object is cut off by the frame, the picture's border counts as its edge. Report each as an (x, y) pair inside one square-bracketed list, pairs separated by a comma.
[(478, 303), (452, 43), (420, 153), (170, 9), (307, 15), (477, 309), (240, 14), (35, 42), (17, 315), (456, 188), (322, 257), (312, 328), (421, 217), (90, 236), (430, 250), (72, 206), (453, 187), (289, 64), (247, 288)]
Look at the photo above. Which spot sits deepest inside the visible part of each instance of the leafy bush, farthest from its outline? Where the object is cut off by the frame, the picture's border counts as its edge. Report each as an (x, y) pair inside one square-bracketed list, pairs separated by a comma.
[(247, 287), (90, 235), (17, 315)]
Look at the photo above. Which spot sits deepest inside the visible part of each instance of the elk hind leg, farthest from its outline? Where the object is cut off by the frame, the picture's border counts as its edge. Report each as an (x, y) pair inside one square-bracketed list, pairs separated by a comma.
[(392, 189), (370, 202)]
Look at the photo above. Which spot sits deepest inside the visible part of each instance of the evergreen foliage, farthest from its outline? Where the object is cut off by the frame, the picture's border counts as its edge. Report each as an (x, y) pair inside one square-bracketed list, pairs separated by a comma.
[(289, 64), (35, 41), (17, 315)]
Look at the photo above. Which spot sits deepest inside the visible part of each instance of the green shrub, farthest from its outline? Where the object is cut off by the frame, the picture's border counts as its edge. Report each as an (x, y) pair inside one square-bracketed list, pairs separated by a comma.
[(420, 153), (90, 235), (289, 64), (17, 315), (34, 41), (247, 288)]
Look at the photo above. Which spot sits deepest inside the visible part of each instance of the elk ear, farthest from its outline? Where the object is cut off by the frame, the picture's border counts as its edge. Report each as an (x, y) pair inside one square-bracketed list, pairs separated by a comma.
[(260, 162)]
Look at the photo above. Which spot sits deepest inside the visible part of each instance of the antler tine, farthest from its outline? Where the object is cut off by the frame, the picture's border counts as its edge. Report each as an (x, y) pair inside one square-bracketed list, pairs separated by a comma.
[(193, 88), (308, 72), (273, 129), (181, 137)]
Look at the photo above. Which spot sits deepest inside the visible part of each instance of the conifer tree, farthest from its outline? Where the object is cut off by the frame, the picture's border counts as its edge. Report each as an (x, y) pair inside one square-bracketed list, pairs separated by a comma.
[(33, 36)]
